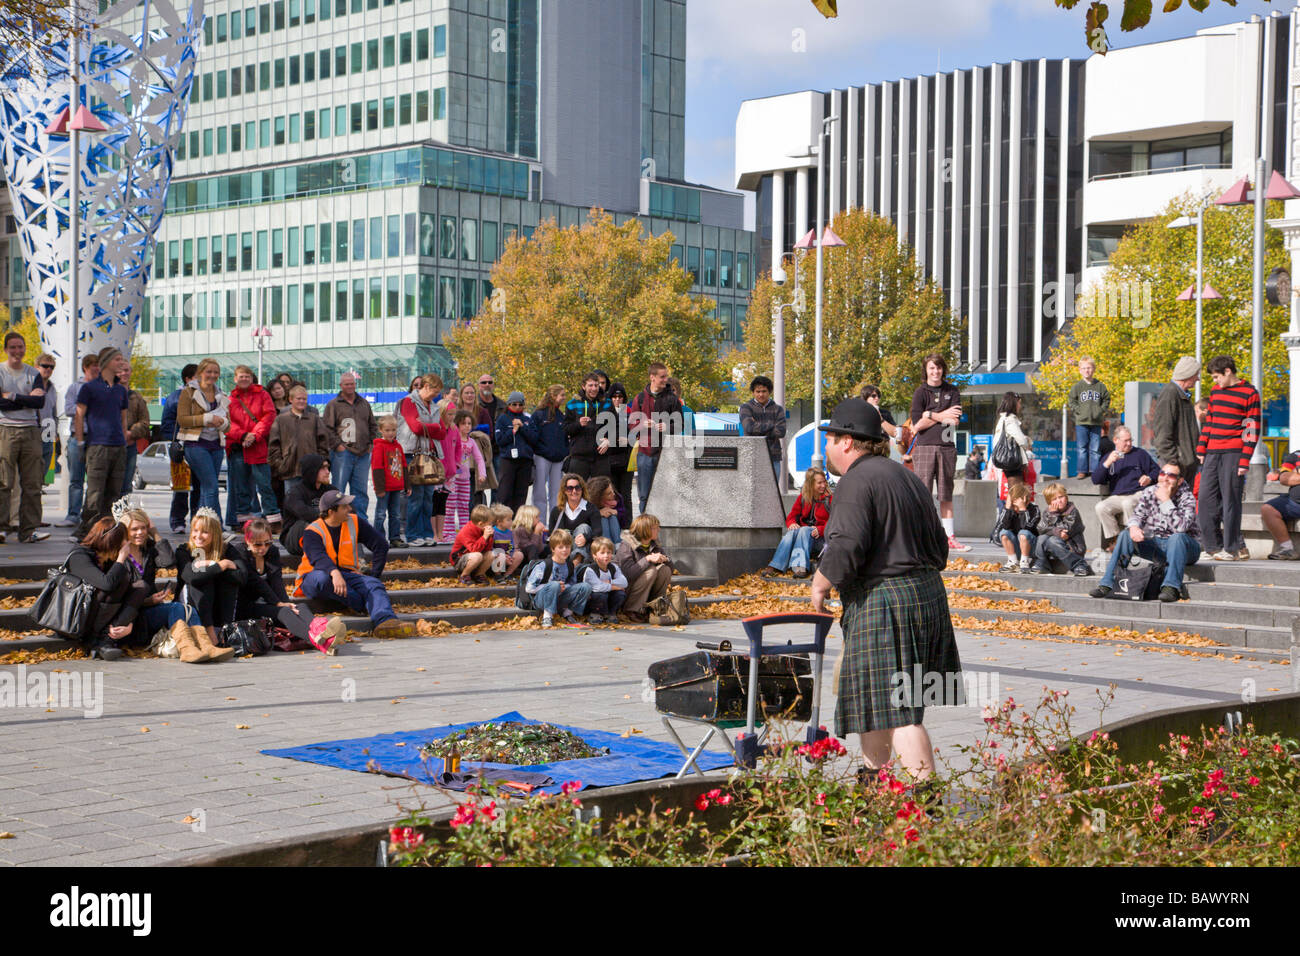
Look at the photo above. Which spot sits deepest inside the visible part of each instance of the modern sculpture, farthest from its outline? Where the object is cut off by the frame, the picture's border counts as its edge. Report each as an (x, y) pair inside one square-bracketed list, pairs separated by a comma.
[(131, 65)]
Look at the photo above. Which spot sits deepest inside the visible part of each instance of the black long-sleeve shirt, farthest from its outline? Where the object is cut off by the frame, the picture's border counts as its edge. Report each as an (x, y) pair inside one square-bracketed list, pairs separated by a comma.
[(113, 584), (314, 548), (202, 578), (264, 587)]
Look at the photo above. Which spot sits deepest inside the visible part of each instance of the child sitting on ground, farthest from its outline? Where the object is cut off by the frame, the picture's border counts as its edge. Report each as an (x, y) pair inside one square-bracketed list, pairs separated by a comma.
[(1060, 534), (554, 586), (506, 558), (529, 533), (607, 581), (1016, 524), (470, 553)]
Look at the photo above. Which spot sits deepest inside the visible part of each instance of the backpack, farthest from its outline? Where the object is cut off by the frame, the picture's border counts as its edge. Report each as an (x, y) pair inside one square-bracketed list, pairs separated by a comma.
[(670, 608), (524, 600)]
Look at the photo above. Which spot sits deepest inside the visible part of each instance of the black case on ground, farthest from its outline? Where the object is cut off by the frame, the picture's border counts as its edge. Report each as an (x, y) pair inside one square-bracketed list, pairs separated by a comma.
[(711, 686)]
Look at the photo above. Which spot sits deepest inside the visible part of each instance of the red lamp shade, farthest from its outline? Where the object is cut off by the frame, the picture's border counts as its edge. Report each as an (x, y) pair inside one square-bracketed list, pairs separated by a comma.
[(1209, 292), (86, 122), (59, 127), (1279, 188), (830, 239), (807, 241), (1236, 194)]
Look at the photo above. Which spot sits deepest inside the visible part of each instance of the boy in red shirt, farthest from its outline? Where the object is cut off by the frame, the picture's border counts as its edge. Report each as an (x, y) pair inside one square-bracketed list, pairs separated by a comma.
[(389, 464), (471, 551)]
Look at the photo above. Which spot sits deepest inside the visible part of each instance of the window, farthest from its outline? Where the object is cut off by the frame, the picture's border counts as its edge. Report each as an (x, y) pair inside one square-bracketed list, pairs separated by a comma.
[(372, 115), (279, 131), (180, 147), (469, 239), (279, 14), (340, 120), (404, 109), (159, 310), (236, 82), (264, 76), (394, 235), (279, 72), (341, 242), (250, 140), (390, 51), (408, 295), (324, 60), (468, 298), (323, 293), (294, 13), (489, 242), (409, 228), (323, 130), (447, 243), (294, 127), (358, 240), (308, 304), (187, 258), (325, 243), (440, 103), (356, 117), (187, 313), (202, 316), (356, 57), (447, 297), (377, 237), (710, 267), (237, 26), (693, 263), (221, 28), (250, 22), (207, 142), (372, 54), (309, 11), (221, 140), (440, 41), (340, 61), (173, 258), (261, 249), (421, 106), (422, 44), (232, 253), (246, 250), (742, 270), (250, 77), (741, 312), (277, 305), (309, 126), (207, 31), (202, 260), (246, 307), (404, 48), (340, 301), (291, 304), (309, 245), (194, 144), (394, 303), (390, 113), (264, 18), (308, 68), (218, 259), (358, 299), (221, 84), (292, 240), (724, 269), (295, 77)]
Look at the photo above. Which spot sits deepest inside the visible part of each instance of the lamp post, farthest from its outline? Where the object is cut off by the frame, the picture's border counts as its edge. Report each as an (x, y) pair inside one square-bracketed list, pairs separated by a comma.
[(1183, 222)]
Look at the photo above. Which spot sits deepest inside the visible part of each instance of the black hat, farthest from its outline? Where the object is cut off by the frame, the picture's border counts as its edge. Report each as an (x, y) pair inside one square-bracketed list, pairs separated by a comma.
[(332, 499), (856, 417)]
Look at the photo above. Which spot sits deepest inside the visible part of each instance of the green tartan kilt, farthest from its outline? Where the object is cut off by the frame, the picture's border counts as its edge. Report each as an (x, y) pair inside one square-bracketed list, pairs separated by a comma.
[(900, 654)]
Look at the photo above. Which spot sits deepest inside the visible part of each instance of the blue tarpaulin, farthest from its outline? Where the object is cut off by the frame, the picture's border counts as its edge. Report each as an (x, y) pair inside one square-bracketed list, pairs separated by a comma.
[(629, 759)]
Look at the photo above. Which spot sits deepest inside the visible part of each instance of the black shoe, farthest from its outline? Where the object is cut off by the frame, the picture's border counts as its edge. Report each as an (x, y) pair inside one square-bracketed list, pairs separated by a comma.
[(1082, 571), (769, 572), (106, 651), (1169, 595), (1039, 569), (1100, 591), (1290, 554)]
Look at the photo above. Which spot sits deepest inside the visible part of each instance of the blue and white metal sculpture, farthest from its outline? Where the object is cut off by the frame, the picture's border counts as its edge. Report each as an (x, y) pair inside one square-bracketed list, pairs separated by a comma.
[(134, 65)]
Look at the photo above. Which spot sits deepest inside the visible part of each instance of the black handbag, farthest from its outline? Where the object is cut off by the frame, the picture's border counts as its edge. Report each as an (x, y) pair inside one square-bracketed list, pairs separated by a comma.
[(175, 452), (66, 605), (1139, 580), (1006, 455), (248, 638)]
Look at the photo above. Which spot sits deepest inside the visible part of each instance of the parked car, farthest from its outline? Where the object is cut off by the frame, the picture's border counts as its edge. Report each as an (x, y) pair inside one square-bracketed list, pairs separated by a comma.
[(153, 467)]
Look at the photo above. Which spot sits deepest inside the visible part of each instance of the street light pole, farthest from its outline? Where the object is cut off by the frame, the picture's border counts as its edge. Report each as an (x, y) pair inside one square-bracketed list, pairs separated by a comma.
[(818, 461), (1200, 286), (1257, 296), (74, 256)]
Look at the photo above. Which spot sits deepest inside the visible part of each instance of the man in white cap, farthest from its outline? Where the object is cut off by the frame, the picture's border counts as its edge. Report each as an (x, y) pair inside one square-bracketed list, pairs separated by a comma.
[(1173, 420)]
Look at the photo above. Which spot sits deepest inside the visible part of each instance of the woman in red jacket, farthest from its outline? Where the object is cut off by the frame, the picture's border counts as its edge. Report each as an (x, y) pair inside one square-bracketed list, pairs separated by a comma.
[(252, 413), (805, 534)]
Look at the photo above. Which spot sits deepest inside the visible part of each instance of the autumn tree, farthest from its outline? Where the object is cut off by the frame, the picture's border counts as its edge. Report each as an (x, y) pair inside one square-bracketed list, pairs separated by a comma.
[(880, 317), (1153, 264), (30, 29), (598, 295)]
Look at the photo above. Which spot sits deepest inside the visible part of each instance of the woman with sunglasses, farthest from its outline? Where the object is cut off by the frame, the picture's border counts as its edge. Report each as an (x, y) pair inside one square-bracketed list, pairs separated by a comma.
[(516, 437), (574, 514), (262, 593)]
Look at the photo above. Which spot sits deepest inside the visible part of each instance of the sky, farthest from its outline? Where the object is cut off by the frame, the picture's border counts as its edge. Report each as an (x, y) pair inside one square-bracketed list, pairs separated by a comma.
[(745, 49)]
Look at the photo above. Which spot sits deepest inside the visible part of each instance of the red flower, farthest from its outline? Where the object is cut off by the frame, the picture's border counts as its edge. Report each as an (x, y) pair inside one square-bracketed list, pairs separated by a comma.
[(702, 803), (490, 811), (1277, 749), (405, 837), (911, 835), (714, 794), (1253, 781), (724, 799), (820, 800), (1243, 751), (573, 786), (909, 810), (464, 815)]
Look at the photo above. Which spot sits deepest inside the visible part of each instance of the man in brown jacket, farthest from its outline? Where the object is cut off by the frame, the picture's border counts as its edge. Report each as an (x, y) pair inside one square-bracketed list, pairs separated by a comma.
[(352, 429), (1173, 420), (137, 410), (297, 431)]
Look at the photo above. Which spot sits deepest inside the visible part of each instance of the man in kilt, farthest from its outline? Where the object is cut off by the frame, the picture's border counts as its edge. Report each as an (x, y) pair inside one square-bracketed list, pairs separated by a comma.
[(885, 549)]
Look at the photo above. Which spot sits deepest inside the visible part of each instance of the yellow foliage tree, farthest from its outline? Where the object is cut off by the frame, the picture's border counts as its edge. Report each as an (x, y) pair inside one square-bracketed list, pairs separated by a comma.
[(880, 317), (1132, 325), (597, 296)]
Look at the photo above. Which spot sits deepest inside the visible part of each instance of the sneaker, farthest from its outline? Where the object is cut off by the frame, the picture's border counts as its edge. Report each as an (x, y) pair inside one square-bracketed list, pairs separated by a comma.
[(178, 529), (1038, 569), (547, 621), (1100, 591), (1082, 474), (327, 634), (67, 523), (955, 545), (1284, 554), (34, 537), (769, 572), (393, 628), (1243, 554), (1024, 565), (397, 543), (595, 619), (800, 572), (1082, 571), (1224, 555), (569, 618), (1011, 566), (1169, 595)]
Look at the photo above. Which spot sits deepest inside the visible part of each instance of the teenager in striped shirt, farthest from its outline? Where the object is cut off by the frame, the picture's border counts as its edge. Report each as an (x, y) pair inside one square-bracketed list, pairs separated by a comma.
[(1228, 435)]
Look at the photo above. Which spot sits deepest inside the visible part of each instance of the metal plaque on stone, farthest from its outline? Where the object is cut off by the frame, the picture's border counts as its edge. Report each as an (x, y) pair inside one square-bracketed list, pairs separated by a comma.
[(715, 457)]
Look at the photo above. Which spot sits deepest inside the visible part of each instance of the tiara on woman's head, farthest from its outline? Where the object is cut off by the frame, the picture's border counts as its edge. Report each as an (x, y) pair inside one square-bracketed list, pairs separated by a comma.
[(206, 512), (122, 506)]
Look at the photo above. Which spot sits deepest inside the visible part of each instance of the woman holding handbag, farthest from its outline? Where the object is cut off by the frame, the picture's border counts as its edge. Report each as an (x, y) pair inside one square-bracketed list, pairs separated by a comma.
[(202, 418), (100, 560), (1010, 444), (420, 433)]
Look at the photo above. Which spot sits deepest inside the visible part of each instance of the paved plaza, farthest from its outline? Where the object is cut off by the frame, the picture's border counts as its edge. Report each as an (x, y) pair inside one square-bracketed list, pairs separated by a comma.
[(117, 789)]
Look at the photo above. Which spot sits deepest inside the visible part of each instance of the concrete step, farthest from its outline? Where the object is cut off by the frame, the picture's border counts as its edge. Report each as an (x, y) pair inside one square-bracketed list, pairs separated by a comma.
[(1285, 599)]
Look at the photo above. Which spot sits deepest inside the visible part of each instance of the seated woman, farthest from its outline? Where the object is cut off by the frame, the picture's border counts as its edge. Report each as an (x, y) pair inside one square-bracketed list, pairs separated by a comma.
[(101, 561), (611, 511), (805, 534), (156, 607), (263, 594), (574, 514), (302, 502), (648, 570), (212, 572)]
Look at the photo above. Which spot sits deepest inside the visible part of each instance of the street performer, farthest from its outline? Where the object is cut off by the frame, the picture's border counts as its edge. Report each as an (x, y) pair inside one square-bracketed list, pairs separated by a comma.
[(885, 548)]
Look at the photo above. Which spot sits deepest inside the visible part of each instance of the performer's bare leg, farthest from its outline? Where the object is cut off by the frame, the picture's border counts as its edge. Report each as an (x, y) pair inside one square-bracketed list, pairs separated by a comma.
[(912, 743)]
